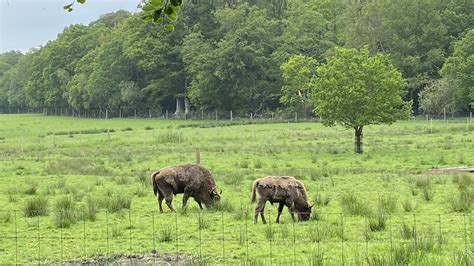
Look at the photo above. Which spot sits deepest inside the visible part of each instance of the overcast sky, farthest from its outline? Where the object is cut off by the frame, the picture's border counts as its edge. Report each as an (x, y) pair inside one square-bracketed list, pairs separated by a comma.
[(26, 24)]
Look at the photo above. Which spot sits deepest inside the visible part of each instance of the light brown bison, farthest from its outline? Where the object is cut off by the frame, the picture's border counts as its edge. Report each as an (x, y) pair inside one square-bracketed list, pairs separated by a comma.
[(191, 179), (285, 190)]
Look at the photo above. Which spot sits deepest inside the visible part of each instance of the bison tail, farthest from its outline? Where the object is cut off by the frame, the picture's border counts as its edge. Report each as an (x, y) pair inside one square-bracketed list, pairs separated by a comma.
[(254, 191), (153, 182)]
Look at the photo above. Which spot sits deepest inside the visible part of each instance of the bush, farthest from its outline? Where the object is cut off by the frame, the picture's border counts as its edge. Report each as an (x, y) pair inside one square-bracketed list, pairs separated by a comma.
[(408, 205), (269, 233), (6, 216), (224, 206), (258, 164), (65, 213), (313, 233), (116, 231), (118, 202), (170, 137), (203, 223), (241, 213), (352, 205), (423, 182), (12, 195), (407, 232), (166, 235), (377, 223), (463, 203), (388, 204), (244, 164), (92, 208), (233, 179), (37, 206), (321, 200), (32, 188), (428, 194), (122, 180)]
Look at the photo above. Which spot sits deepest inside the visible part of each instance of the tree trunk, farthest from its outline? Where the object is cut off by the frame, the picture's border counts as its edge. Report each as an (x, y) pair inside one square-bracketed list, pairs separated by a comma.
[(179, 107), (187, 106), (358, 140)]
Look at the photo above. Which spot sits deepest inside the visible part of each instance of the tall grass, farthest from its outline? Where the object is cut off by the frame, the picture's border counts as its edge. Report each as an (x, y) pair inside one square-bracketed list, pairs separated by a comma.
[(377, 223), (118, 202), (388, 204), (65, 213), (36, 206), (353, 205)]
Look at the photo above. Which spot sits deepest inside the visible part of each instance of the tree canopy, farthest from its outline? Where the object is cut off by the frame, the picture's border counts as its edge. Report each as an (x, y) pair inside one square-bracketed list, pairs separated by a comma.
[(355, 89), (460, 68), (237, 55)]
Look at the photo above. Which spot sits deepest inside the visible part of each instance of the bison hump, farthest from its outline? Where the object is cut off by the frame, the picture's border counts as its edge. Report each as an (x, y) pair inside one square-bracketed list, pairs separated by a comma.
[(279, 181)]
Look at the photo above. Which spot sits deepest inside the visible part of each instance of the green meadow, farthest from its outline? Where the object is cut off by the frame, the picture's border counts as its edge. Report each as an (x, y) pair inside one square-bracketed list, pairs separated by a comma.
[(74, 189)]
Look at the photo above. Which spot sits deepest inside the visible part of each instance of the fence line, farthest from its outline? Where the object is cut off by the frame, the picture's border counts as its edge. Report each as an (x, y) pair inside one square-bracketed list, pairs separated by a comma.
[(226, 237)]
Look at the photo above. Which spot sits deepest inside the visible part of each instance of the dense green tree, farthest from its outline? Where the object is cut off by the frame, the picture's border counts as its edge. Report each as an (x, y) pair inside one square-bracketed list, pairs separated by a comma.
[(417, 34), (460, 68), (355, 89), (226, 54), (8, 62), (310, 28), (297, 74), (439, 97), (235, 72)]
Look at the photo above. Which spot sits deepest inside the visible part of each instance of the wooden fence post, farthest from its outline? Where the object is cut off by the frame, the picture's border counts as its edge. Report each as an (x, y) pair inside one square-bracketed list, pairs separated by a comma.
[(198, 156)]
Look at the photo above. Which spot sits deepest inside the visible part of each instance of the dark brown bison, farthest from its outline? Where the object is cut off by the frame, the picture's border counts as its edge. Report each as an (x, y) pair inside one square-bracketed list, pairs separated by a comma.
[(285, 190), (191, 179)]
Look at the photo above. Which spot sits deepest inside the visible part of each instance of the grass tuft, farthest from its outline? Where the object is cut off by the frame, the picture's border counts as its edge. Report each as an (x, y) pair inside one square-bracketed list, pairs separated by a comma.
[(65, 213), (36, 206), (353, 205)]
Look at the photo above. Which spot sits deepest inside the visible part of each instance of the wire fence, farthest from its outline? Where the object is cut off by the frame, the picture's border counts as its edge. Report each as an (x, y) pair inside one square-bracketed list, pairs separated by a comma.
[(162, 114), (231, 237)]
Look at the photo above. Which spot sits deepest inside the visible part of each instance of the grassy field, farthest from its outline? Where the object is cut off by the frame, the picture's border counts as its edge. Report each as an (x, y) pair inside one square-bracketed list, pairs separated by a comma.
[(75, 189)]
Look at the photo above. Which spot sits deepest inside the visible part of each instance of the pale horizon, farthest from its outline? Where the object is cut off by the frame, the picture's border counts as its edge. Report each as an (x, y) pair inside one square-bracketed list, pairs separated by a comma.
[(46, 19)]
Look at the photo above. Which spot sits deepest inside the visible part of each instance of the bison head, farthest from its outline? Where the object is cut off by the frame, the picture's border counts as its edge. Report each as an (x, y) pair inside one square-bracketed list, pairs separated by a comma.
[(215, 196), (304, 212)]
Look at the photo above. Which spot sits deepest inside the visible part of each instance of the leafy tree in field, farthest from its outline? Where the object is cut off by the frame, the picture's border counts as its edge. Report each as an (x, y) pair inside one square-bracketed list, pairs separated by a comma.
[(297, 74), (460, 68), (355, 89), (439, 97)]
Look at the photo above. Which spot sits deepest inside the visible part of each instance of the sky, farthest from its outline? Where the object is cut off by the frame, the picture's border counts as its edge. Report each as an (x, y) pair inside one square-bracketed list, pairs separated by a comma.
[(26, 24)]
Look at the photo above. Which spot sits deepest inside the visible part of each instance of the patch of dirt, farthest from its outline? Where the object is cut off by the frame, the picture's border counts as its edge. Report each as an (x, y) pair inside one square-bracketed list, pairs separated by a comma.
[(146, 259), (452, 170)]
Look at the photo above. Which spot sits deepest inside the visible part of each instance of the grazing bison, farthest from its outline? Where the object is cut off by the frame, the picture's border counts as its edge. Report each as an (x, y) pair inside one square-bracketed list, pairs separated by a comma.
[(190, 179), (285, 190)]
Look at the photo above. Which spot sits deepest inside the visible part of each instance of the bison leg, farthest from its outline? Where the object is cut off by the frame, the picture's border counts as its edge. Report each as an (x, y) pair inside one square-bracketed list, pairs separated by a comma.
[(169, 201), (160, 200), (280, 209), (291, 207), (185, 199), (259, 209), (199, 203)]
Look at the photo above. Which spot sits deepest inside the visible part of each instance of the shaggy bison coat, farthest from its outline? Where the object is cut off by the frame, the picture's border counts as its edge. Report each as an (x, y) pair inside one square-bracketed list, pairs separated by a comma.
[(191, 179), (285, 190)]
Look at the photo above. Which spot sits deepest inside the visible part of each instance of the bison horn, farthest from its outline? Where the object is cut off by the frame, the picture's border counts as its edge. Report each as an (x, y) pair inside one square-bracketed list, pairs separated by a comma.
[(220, 191), (311, 206)]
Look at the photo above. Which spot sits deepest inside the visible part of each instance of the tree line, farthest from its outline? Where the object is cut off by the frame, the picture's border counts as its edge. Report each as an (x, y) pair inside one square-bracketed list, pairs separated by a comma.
[(240, 55)]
